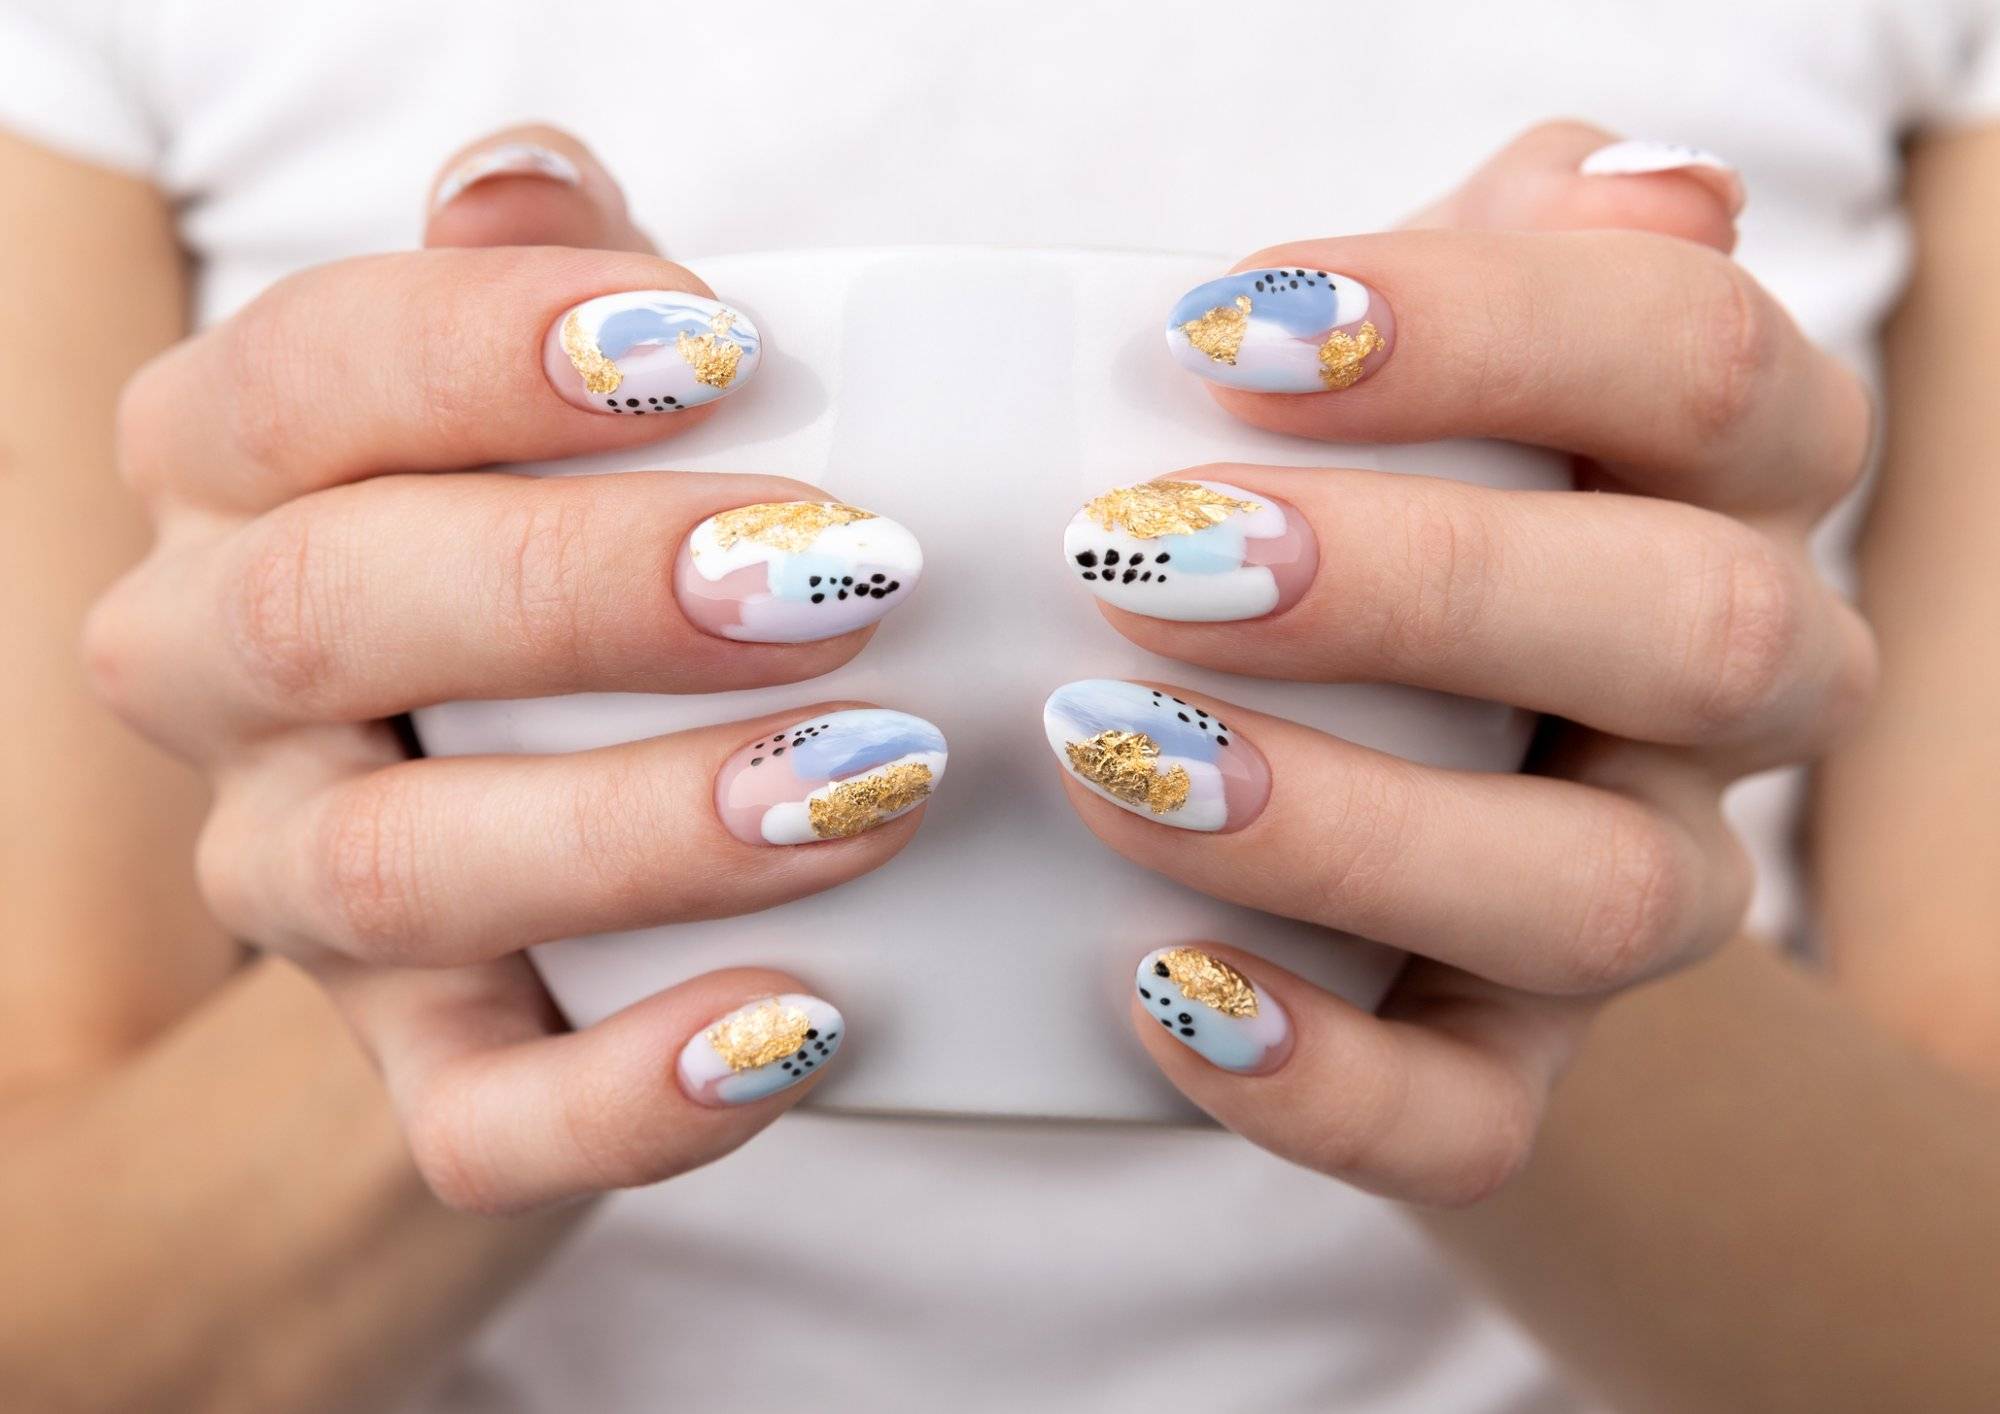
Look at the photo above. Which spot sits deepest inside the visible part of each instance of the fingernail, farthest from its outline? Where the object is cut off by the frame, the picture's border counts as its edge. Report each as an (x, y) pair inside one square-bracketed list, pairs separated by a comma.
[(509, 159), (1156, 755), (1281, 331), (794, 571), (1640, 156), (1214, 1010), (760, 1049), (830, 777), (1196, 551), (649, 351)]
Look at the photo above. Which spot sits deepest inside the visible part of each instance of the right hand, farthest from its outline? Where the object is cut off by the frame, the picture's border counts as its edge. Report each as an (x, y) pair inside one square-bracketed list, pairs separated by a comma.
[(314, 576)]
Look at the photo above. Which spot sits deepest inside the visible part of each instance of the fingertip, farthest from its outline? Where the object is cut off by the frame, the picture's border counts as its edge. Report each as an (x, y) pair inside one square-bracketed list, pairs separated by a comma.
[(530, 185), (774, 1044)]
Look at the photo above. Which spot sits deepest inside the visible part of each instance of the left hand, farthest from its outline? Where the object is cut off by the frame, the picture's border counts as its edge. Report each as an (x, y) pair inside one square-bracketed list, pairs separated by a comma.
[(1670, 626)]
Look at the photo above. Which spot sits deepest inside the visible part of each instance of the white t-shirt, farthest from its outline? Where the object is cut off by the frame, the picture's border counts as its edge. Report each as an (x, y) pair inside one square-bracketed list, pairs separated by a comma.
[(845, 1263)]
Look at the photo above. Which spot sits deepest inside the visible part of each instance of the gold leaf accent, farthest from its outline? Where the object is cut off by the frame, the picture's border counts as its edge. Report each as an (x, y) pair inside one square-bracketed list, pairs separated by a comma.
[(1163, 508), (1210, 981), (1341, 355), (759, 1035), (1122, 763), (712, 357), (863, 803), (1219, 333), (784, 525), (599, 373)]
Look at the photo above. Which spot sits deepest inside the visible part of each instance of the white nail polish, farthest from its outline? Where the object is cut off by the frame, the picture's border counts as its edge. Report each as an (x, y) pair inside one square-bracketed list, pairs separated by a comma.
[(509, 159), (794, 571), (643, 352), (1639, 156), (1213, 1010), (760, 1049), (1192, 551)]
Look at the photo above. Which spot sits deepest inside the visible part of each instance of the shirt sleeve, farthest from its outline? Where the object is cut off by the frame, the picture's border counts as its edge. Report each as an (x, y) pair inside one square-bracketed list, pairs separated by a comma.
[(63, 83)]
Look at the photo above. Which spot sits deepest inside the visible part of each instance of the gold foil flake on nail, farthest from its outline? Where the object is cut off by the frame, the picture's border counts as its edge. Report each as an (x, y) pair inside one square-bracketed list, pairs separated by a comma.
[(1210, 981), (759, 1035), (791, 526), (1124, 765), (712, 356), (1340, 357), (1163, 508), (599, 373), (865, 802), (1219, 333)]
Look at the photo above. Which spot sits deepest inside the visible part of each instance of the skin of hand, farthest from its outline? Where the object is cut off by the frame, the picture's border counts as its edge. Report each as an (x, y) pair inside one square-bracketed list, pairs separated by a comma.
[(314, 575), (1666, 618), (1766, 1187)]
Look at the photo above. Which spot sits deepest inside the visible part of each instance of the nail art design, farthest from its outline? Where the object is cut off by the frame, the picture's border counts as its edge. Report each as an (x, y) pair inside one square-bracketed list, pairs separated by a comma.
[(1156, 755), (1196, 551), (649, 351), (1640, 156), (1214, 1010), (830, 777), (509, 159), (1281, 331), (760, 1049), (794, 571)]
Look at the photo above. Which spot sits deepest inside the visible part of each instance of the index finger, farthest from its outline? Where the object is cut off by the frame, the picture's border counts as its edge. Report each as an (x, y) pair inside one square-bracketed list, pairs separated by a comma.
[(432, 360)]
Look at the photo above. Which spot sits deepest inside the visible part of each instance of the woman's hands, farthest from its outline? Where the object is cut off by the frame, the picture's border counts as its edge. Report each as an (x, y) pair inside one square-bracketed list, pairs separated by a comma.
[(1671, 626), (315, 574)]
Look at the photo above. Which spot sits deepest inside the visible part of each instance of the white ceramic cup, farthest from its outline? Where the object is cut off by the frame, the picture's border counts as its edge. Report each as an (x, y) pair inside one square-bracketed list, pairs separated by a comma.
[(980, 396)]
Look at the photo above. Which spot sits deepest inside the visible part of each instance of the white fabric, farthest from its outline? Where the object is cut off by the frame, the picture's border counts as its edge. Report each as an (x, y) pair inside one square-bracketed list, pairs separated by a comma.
[(890, 1265)]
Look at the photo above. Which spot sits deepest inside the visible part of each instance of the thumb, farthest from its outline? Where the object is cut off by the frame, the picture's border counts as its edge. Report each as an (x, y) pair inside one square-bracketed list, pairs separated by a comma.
[(1570, 176), (530, 185)]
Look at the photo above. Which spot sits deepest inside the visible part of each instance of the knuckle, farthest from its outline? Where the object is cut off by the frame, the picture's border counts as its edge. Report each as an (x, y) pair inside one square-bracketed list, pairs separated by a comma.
[(437, 1128), (544, 575), (277, 613), (1448, 555), (1731, 329), (1510, 1120), (1638, 890), (365, 875), (1365, 829), (1752, 626)]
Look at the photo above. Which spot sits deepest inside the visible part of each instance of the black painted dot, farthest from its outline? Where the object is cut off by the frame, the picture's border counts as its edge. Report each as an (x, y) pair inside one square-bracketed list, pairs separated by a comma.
[(1298, 272), (1146, 578), (1090, 574), (631, 402), (847, 579), (1087, 559), (1166, 1023), (672, 399), (611, 402), (1182, 715), (779, 752), (819, 599), (1295, 284), (1199, 713), (843, 593), (814, 581), (1146, 994), (1187, 1031), (877, 578), (756, 760), (1163, 579), (1222, 741), (1185, 1019), (1159, 969), (1128, 576), (894, 585), (654, 401), (1161, 558), (812, 1033), (1165, 1002)]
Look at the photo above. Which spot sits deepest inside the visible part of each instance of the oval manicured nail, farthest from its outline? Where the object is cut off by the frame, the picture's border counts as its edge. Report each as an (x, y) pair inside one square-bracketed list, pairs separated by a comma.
[(760, 1049), (1282, 331), (1156, 755), (641, 352), (794, 571), (1195, 551), (829, 777), (1214, 1010), (508, 159)]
